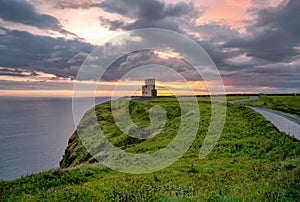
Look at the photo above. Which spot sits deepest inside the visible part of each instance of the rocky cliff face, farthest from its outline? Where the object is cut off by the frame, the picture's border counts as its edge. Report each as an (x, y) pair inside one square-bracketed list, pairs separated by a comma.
[(75, 153)]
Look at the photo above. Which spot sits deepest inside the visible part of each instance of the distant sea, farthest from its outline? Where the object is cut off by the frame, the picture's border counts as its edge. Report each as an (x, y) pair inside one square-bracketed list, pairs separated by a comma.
[(33, 134)]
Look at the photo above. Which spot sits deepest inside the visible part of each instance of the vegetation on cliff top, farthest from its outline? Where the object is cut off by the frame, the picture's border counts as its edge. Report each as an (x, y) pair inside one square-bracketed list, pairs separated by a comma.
[(252, 161), (288, 104)]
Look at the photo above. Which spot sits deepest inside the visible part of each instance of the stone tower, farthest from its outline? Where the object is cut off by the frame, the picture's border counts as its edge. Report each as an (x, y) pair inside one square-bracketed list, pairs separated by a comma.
[(148, 90)]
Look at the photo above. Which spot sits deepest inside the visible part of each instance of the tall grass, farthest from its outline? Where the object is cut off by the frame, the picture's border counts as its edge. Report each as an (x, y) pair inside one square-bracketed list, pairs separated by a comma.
[(252, 161), (288, 104)]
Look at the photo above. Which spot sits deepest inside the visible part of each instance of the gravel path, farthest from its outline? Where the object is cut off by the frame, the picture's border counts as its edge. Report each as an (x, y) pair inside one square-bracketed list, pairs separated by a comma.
[(285, 122)]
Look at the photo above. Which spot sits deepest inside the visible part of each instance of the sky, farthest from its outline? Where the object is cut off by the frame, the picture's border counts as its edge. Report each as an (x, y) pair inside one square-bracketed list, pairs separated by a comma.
[(254, 44)]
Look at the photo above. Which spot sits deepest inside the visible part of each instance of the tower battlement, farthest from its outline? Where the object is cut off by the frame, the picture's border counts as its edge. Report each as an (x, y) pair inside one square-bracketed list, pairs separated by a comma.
[(149, 81), (148, 90)]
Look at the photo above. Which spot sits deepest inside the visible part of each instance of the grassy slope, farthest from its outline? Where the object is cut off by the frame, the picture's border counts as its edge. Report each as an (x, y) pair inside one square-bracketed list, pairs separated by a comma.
[(252, 161), (231, 98), (289, 104)]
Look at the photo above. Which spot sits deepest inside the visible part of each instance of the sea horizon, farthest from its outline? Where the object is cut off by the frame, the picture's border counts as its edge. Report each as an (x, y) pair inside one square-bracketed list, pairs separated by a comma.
[(34, 133)]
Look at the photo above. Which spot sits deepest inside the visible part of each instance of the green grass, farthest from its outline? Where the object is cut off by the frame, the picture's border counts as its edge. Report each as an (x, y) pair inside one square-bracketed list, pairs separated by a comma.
[(252, 161), (231, 98), (288, 104)]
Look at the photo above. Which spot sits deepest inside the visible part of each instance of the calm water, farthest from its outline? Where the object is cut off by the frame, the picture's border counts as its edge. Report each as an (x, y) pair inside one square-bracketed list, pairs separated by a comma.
[(33, 134)]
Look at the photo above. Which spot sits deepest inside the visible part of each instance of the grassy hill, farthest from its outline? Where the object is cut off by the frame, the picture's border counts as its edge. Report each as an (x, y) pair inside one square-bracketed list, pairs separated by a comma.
[(288, 104), (252, 161)]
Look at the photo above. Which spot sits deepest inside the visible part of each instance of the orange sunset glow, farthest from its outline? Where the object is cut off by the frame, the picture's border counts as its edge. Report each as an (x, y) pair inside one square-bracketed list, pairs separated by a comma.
[(42, 55)]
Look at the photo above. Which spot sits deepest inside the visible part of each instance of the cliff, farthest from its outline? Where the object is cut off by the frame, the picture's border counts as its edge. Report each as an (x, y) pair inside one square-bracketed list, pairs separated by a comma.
[(76, 154), (251, 162)]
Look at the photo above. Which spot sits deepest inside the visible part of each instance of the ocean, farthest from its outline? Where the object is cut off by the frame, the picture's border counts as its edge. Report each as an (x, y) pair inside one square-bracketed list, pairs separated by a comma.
[(34, 133)]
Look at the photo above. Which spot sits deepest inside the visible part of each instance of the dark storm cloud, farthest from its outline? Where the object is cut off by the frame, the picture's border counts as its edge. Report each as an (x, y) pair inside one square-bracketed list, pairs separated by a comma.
[(19, 49), (20, 11), (158, 14), (274, 35), (111, 24), (213, 37), (262, 56), (254, 58), (275, 75), (270, 45), (148, 13), (258, 58), (144, 57), (16, 72)]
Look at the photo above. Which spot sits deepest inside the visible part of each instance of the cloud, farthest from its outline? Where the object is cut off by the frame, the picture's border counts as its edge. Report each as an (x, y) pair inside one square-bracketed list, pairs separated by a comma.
[(75, 4), (280, 76), (78, 59), (136, 59), (275, 34), (148, 13), (16, 72), (20, 49), (265, 55), (23, 12), (111, 24)]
